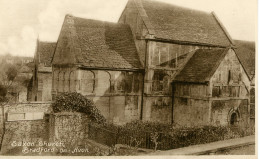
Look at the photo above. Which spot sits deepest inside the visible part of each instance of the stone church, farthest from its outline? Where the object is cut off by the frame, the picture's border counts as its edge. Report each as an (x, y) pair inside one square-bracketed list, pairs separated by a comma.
[(160, 63)]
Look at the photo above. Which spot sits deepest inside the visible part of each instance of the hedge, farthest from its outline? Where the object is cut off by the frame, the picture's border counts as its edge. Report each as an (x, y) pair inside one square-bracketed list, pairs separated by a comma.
[(75, 102)]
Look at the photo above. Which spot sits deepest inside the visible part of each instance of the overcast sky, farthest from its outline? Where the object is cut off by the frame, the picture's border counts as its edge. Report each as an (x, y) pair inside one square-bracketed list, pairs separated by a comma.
[(22, 21)]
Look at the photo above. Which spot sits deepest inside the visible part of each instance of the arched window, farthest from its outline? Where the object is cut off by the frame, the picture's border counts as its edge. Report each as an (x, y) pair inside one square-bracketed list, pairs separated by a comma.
[(72, 81), (136, 82), (120, 82), (166, 84), (66, 81), (56, 80), (87, 81), (229, 76), (78, 80), (103, 83), (234, 118), (129, 82), (61, 81)]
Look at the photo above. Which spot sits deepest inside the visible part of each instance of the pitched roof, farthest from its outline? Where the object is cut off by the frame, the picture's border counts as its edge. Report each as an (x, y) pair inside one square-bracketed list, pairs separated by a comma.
[(45, 51), (176, 23), (201, 65), (245, 51), (103, 44)]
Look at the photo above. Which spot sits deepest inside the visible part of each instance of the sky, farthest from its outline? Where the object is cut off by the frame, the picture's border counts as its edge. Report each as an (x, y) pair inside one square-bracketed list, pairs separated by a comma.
[(23, 21)]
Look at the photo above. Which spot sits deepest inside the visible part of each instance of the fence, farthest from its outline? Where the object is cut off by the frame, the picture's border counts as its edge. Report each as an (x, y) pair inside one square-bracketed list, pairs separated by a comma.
[(110, 138), (102, 135)]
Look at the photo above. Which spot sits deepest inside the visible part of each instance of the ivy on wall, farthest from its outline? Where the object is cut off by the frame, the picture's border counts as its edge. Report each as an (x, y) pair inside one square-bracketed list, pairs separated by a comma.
[(75, 102)]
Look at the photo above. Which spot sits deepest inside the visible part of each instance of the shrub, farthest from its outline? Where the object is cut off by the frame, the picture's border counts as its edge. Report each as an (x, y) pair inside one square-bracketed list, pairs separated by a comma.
[(75, 102), (155, 135)]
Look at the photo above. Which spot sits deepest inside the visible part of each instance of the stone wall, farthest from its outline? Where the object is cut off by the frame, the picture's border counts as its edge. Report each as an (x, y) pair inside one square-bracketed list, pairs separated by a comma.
[(63, 133), (224, 101), (191, 112), (158, 109), (222, 110), (69, 128), (19, 132), (18, 112), (117, 94)]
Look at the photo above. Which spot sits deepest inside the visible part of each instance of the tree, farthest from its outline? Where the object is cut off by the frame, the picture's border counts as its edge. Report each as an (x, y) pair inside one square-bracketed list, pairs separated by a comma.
[(8, 73), (3, 92)]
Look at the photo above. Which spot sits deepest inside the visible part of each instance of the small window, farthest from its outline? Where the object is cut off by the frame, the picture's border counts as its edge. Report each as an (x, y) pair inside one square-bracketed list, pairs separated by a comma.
[(158, 81), (234, 119), (229, 76), (252, 110), (225, 91), (234, 91), (186, 90), (183, 101), (252, 95), (216, 91)]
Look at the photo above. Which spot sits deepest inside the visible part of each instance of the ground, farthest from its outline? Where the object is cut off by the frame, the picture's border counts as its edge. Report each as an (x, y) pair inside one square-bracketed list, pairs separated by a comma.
[(244, 150)]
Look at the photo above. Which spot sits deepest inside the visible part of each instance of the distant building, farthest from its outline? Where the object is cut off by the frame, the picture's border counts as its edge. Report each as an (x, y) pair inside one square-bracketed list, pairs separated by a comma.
[(41, 83)]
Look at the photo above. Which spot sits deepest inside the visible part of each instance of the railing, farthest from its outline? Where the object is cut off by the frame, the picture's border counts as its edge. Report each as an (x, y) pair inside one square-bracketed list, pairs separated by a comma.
[(102, 135), (110, 138)]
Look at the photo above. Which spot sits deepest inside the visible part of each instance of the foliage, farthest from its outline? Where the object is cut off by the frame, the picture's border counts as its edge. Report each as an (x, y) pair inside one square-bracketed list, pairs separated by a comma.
[(141, 126), (75, 102), (3, 91), (11, 72), (166, 136), (12, 80), (154, 139)]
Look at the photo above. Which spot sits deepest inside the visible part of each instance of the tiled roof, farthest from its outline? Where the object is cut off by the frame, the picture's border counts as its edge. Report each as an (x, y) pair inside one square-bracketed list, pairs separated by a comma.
[(102, 44), (245, 51), (201, 65), (176, 23), (45, 52)]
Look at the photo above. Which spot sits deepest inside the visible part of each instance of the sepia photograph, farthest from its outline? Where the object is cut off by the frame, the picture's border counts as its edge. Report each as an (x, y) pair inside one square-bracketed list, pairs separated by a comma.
[(139, 78)]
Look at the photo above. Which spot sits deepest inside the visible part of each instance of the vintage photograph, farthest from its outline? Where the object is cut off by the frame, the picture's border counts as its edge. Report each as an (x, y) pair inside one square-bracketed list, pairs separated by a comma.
[(128, 78)]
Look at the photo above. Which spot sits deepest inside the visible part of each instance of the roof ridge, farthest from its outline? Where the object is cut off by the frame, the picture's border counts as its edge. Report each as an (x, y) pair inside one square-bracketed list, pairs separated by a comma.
[(48, 42), (243, 40), (97, 20), (144, 16), (179, 6), (222, 27)]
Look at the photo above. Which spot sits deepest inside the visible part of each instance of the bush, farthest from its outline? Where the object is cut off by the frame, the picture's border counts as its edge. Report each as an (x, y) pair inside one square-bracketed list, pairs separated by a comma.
[(75, 102), (155, 135)]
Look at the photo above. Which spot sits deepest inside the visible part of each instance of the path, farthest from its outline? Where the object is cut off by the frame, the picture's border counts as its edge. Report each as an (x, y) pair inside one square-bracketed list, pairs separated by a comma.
[(209, 147)]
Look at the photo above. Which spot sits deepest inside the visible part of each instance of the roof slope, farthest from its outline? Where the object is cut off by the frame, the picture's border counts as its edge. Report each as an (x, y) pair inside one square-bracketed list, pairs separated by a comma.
[(102, 44), (201, 65), (176, 23), (246, 53), (45, 51)]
